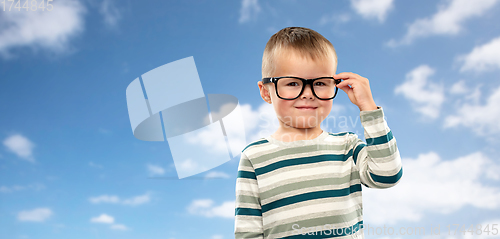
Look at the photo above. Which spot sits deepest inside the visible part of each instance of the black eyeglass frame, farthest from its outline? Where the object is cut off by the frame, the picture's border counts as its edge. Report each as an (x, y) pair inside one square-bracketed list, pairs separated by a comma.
[(304, 83)]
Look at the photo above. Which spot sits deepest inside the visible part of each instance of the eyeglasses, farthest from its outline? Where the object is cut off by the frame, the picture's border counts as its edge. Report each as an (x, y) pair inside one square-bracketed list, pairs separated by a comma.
[(291, 87)]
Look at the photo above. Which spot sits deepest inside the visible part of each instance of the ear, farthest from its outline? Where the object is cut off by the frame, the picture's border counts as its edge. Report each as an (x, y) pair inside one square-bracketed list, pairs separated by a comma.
[(264, 92)]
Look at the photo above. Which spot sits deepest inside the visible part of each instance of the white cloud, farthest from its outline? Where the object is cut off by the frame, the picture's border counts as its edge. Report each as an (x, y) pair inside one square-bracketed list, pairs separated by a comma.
[(107, 219), (189, 165), (426, 97), (482, 58), (458, 88), (35, 215), (257, 123), (207, 138), (103, 218), (210, 143), (260, 122), (334, 18), (447, 21), (206, 208), (216, 174), (481, 118), (372, 9), (119, 227), (465, 93), (110, 13), (155, 170), (217, 237), (50, 30), (137, 200), (35, 186), (433, 185), (21, 146), (249, 10), (105, 199)]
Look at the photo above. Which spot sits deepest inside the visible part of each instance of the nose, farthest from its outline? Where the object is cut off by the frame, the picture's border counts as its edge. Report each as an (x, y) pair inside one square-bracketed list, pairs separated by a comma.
[(307, 93)]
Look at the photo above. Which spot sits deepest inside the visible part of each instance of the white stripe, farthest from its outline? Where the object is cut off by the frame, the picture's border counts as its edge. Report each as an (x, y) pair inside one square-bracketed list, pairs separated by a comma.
[(246, 185), (380, 126), (304, 208), (298, 155), (257, 150), (308, 190), (247, 205), (247, 223), (298, 171)]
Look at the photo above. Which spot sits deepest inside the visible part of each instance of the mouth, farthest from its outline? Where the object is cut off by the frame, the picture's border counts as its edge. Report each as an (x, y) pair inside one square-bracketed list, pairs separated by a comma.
[(306, 108)]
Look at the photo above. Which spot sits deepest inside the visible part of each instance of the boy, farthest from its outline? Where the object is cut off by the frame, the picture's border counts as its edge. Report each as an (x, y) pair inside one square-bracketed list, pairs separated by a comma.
[(301, 181)]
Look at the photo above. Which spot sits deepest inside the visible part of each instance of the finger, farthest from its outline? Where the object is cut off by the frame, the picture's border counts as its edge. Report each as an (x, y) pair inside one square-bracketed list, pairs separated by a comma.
[(345, 75), (345, 83), (349, 92), (346, 89)]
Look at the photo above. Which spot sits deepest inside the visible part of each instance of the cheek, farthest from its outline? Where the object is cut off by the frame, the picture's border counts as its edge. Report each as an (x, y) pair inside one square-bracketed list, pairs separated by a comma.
[(282, 107), (326, 107)]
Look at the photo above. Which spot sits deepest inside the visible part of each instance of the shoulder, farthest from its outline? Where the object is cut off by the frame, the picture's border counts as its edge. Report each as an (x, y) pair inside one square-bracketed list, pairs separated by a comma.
[(254, 145), (342, 135), (346, 138)]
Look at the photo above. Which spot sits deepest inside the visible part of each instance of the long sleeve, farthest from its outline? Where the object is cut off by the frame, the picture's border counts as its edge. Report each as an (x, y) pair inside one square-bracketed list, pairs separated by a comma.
[(378, 159), (248, 213)]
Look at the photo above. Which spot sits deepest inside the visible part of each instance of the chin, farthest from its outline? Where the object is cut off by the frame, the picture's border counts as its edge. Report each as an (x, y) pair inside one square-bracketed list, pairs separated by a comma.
[(305, 124)]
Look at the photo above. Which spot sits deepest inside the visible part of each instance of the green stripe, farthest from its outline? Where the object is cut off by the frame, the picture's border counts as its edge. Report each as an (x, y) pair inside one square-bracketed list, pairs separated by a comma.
[(380, 140), (248, 199), (387, 179), (246, 174), (383, 153), (310, 196), (303, 150), (310, 183), (364, 116), (246, 162), (340, 134), (356, 152), (247, 211), (301, 161), (256, 143)]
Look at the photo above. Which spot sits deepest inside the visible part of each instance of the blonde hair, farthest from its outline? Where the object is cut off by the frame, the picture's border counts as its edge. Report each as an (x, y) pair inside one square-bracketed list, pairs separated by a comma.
[(304, 41)]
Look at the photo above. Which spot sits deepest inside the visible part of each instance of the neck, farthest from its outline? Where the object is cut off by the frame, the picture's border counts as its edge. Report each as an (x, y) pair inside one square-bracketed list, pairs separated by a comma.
[(289, 134)]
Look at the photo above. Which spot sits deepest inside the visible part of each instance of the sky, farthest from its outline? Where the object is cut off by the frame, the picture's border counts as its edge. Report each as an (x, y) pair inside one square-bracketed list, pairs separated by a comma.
[(70, 166)]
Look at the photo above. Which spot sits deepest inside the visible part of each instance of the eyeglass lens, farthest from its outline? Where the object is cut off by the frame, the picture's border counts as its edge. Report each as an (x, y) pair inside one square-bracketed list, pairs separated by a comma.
[(291, 87)]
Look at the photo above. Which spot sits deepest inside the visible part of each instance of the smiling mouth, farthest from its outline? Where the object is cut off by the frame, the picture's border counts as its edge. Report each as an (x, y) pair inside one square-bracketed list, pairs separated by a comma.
[(306, 108)]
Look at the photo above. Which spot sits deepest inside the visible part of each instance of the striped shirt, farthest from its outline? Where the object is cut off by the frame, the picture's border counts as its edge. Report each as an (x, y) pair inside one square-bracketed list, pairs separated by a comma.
[(312, 188)]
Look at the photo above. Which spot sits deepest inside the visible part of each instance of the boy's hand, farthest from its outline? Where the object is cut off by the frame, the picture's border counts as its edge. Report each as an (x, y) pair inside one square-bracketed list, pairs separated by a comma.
[(359, 91)]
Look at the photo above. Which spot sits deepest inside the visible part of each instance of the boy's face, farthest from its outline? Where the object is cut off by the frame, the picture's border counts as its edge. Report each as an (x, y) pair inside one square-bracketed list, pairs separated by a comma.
[(291, 113)]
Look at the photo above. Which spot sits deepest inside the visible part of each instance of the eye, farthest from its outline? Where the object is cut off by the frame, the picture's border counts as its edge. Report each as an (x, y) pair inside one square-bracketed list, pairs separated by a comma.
[(319, 83), (292, 84)]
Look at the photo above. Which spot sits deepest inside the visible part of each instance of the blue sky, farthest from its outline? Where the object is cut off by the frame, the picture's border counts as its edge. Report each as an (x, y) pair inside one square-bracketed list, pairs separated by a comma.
[(70, 166)]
